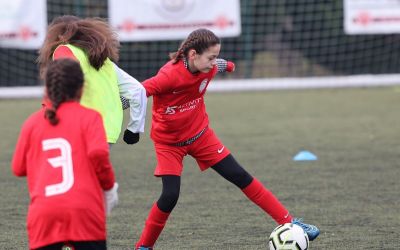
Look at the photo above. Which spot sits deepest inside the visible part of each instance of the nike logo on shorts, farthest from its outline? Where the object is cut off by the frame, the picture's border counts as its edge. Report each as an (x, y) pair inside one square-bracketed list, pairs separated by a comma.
[(221, 149)]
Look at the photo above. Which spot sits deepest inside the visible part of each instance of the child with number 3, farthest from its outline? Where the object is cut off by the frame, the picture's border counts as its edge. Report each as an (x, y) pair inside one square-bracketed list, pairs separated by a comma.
[(63, 152), (180, 127)]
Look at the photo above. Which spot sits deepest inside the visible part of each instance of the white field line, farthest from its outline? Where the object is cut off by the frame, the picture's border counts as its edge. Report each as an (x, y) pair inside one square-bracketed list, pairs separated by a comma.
[(254, 84)]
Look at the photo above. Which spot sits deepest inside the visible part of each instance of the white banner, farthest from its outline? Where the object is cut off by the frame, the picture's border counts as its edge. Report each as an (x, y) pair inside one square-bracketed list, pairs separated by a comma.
[(372, 16), (22, 23), (143, 20)]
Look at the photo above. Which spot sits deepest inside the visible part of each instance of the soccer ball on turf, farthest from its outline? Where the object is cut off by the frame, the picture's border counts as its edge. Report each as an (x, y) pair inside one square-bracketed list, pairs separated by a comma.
[(288, 237)]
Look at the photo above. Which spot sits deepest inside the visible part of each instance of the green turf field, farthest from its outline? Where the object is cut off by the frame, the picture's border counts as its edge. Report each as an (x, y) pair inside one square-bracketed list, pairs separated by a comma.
[(352, 192)]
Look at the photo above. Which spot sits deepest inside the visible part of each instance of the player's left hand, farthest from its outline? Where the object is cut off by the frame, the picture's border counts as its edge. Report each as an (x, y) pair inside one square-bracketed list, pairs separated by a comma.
[(111, 198), (130, 137)]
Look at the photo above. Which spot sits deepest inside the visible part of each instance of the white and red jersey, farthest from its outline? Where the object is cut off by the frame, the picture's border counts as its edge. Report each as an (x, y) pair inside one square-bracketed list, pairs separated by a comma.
[(179, 112), (67, 168)]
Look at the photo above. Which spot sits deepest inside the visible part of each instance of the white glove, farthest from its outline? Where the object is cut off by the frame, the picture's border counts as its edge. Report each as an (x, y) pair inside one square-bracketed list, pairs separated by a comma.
[(111, 198)]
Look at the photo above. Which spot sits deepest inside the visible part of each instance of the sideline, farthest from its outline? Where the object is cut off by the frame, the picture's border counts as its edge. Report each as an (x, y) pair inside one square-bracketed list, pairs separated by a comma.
[(254, 84)]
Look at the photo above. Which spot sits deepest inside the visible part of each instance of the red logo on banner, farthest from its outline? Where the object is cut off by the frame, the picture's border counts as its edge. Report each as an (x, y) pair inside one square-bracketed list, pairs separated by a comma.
[(25, 33), (127, 26), (222, 22), (364, 18)]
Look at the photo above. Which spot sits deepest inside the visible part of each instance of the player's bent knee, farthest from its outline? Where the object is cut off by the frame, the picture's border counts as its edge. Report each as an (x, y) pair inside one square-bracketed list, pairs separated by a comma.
[(242, 179), (167, 201)]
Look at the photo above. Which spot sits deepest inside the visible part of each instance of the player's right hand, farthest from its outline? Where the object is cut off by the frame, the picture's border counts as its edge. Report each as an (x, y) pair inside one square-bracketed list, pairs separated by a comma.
[(130, 137)]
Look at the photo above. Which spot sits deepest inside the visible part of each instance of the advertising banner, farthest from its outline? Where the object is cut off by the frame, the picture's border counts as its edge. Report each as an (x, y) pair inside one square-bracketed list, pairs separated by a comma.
[(146, 20), (372, 16), (22, 23)]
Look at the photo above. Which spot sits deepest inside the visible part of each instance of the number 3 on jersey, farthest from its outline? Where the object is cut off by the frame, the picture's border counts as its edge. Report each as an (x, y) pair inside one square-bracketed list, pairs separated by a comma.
[(64, 161)]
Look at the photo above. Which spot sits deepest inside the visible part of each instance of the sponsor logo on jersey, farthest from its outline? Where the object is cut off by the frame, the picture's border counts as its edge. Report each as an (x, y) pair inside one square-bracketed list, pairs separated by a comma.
[(184, 107), (171, 110)]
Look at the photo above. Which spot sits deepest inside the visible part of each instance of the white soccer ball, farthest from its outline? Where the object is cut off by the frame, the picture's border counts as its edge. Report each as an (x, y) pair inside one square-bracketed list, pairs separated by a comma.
[(288, 237)]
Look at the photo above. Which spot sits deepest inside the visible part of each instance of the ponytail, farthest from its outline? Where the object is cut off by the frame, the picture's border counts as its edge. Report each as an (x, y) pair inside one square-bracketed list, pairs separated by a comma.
[(51, 115), (64, 80)]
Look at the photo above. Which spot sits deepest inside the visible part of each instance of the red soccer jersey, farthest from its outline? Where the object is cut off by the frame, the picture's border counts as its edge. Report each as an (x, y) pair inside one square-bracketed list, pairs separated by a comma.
[(179, 112), (67, 167)]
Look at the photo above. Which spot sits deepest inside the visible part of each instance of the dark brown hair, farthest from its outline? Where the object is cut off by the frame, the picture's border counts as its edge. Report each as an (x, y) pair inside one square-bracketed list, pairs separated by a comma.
[(199, 40), (64, 81), (93, 35)]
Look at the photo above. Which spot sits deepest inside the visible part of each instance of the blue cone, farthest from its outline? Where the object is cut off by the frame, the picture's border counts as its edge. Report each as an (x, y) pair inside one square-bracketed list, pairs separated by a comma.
[(305, 156)]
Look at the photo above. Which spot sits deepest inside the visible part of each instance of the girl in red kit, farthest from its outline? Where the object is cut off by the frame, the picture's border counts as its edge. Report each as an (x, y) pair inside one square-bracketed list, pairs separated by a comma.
[(180, 127), (63, 152)]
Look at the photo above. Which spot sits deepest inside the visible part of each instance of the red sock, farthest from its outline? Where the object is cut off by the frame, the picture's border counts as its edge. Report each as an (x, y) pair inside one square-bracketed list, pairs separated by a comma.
[(154, 225), (267, 201)]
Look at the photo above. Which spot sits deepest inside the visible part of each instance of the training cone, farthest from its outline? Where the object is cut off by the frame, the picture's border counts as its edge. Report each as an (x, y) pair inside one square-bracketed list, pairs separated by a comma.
[(305, 156)]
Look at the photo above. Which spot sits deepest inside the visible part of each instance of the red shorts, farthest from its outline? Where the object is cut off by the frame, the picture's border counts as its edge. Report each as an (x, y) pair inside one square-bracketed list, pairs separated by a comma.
[(208, 150)]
